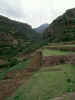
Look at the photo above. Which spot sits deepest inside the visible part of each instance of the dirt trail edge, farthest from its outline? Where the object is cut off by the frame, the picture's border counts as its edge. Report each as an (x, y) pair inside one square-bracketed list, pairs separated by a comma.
[(69, 96)]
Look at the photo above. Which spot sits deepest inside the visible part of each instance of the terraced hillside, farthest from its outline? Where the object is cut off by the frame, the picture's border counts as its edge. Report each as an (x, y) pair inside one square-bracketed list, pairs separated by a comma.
[(16, 41), (52, 82), (48, 83), (32, 68), (62, 28)]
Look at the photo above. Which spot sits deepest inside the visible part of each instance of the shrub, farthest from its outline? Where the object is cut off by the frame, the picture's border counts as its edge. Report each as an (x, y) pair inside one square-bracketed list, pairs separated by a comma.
[(3, 65), (69, 80), (69, 89), (62, 61)]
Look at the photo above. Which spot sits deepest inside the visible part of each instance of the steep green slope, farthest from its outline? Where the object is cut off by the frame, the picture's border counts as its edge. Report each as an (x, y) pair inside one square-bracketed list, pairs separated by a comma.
[(62, 28), (17, 29), (16, 40)]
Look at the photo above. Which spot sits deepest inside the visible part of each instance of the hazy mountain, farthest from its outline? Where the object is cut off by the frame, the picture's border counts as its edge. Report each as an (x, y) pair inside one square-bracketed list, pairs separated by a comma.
[(41, 28), (62, 28)]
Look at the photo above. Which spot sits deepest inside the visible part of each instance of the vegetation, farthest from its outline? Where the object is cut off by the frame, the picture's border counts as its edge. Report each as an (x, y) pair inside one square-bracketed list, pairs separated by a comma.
[(17, 29), (19, 66), (18, 41), (11, 54), (48, 83), (47, 52), (62, 28)]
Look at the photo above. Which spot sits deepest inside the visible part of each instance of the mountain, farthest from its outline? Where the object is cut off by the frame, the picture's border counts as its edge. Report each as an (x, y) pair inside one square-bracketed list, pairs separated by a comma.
[(17, 28), (62, 28), (41, 28), (16, 40)]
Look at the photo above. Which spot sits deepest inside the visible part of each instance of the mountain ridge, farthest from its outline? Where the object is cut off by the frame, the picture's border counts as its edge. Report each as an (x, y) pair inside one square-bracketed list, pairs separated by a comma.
[(41, 28), (16, 39), (62, 28)]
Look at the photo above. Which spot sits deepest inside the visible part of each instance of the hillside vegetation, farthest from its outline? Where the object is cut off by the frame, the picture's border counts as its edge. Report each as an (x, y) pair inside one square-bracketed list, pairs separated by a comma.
[(31, 66), (16, 41), (47, 83), (62, 29)]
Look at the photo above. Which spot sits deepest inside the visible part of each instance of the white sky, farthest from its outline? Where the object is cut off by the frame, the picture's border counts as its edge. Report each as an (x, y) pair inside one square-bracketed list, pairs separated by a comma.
[(35, 12)]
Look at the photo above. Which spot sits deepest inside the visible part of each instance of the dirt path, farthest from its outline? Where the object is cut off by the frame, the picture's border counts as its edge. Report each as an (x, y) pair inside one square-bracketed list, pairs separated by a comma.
[(12, 81), (69, 96), (15, 78)]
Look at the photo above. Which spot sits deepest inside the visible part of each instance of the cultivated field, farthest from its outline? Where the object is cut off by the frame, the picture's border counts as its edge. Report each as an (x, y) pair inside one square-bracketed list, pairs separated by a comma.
[(48, 83), (53, 79)]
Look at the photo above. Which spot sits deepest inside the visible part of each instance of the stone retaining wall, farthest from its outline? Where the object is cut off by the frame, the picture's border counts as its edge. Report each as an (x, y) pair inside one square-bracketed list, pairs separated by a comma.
[(56, 60), (62, 48), (37, 60)]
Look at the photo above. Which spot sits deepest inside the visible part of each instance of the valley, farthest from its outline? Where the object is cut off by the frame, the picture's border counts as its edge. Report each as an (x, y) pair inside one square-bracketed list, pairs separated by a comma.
[(49, 80), (38, 65)]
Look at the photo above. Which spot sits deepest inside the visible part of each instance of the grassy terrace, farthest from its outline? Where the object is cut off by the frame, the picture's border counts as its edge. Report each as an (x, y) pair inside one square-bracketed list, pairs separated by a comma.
[(47, 52), (58, 45), (48, 83)]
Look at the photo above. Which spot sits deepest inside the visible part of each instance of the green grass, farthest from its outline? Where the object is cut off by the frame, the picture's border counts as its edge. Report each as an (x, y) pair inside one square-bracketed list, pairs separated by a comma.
[(19, 66), (73, 45), (47, 83), (47, 52), (58, 45)]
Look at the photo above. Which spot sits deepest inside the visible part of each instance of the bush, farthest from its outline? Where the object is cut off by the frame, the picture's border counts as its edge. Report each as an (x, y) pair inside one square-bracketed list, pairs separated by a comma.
[(13, 62), (69, 89), (69, 80), (62, 61), (3, 65)]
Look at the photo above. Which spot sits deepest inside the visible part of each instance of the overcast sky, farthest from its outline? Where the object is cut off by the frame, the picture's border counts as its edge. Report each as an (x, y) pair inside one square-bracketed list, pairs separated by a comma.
[(35, 12)]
